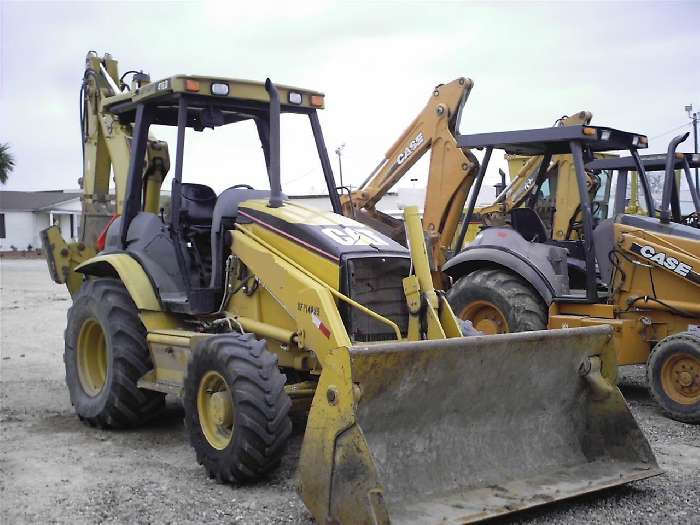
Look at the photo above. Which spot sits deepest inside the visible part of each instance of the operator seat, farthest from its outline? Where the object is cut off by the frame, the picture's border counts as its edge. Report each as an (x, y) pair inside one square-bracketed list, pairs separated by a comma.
[(603, 244), (197, 203), (224, 218), (528, 224)]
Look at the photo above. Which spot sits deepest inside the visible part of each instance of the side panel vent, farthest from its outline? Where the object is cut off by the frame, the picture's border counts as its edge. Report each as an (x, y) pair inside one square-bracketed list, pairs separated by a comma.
[(375, 282)]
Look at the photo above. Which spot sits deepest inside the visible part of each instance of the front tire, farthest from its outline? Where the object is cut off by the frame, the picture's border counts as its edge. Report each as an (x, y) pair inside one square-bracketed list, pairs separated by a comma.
[(497, 301), (105, 356), (673, 375), (236, 408)]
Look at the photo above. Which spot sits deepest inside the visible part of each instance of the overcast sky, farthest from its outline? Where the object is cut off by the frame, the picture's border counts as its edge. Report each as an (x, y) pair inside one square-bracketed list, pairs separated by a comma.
[(634, 65)]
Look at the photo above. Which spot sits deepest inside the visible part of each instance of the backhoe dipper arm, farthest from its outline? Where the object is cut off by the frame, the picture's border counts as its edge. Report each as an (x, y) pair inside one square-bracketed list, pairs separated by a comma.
[(107, 149), (451, 171), (106, 144), (517, 192)]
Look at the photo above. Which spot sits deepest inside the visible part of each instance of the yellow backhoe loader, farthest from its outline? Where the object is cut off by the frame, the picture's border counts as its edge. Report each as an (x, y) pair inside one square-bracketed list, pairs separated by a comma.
[(637, 274), (247, 306)]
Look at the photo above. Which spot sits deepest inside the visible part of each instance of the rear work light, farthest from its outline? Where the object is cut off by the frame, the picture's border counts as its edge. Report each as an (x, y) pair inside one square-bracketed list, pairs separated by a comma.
[(219, 88), (294, 97), (191, 85), (605, 135)]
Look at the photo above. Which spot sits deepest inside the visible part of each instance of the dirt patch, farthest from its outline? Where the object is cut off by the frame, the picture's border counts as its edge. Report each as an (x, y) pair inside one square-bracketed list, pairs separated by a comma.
[(54, 469)]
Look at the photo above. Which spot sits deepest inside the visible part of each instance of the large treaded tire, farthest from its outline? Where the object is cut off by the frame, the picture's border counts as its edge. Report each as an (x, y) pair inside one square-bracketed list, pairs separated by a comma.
[(668, 348), (119, 403), (521, 305), (261, 423)]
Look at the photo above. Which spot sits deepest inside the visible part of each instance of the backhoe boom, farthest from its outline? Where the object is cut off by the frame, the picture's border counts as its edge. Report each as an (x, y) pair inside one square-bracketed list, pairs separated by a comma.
[(451, 172)]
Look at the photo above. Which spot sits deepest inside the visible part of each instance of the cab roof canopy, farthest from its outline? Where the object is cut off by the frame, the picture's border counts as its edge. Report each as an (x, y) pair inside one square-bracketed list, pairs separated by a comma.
[(655, 162), (555, 140), (219, 100)]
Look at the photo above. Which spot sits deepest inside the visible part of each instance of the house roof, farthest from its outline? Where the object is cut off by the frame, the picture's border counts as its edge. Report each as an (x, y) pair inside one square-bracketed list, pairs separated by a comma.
[(34, 200)]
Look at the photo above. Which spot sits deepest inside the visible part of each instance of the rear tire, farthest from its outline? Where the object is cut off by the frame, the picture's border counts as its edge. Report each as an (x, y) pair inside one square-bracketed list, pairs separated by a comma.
[(105, 356), (498, 301), (673, 375), (236, 408)]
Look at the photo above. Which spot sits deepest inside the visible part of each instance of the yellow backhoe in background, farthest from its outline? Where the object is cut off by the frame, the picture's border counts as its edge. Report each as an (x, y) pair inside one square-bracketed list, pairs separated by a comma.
[(249, 306), (636, 274)]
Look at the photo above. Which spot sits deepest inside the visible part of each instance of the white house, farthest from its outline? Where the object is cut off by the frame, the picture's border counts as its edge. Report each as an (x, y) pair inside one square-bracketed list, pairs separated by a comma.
[(23, 214)]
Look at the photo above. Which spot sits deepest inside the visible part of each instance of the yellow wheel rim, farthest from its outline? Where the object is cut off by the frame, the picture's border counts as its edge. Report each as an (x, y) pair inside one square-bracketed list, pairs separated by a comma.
[(92, 357), (486, 317), (215, 410), (680, 378)]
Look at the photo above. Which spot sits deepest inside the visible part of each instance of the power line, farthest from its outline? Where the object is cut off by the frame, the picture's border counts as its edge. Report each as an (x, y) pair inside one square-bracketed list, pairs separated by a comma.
[(671, 130)]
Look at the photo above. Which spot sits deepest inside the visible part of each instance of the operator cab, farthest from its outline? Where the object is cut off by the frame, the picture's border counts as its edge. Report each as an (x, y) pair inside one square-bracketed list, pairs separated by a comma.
[(185, 253), (672, 207), (561, 269)]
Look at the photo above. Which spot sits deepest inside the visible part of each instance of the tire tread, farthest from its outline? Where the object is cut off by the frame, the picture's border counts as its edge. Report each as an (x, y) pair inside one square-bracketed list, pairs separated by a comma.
[(262, 424), (527, 312), (126, 405)]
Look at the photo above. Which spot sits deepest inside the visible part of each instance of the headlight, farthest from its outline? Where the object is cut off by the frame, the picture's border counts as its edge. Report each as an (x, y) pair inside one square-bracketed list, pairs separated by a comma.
[(219, 88)]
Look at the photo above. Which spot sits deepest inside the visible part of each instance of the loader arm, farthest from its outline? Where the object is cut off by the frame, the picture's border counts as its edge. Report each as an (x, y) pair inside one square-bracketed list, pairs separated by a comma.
[(450, 175)]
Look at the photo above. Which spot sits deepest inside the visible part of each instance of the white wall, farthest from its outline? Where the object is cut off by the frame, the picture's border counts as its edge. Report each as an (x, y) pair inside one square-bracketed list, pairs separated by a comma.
[(19, 230), (22, 228), (63, 221)]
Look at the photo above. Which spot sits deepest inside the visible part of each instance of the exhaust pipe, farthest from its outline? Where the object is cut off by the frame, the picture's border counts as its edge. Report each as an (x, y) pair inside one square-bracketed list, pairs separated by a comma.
[(669, 180), (274, 146)]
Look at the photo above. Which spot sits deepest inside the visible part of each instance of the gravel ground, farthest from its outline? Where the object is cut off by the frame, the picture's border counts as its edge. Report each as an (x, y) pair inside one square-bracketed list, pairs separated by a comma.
[(54, 469)]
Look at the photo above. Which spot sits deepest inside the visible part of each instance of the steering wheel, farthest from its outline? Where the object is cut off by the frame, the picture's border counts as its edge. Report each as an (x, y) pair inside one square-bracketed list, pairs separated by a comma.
[(246, 186)]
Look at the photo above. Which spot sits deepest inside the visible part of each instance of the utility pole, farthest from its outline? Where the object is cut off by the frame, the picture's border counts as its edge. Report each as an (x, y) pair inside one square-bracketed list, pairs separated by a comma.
[(339, 152), (694, 117)]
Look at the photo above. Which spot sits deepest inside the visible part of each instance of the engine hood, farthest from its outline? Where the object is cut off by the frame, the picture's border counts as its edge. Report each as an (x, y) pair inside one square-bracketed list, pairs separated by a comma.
[(328, 234)]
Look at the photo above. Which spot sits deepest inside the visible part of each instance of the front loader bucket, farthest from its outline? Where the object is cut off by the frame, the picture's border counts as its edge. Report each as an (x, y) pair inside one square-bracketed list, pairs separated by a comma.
[(460, 430)]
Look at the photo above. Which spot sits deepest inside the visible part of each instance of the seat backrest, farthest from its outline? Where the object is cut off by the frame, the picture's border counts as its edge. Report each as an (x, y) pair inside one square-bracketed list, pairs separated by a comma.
[(223, 218), (528, 224), (603, 244), (197, 203)]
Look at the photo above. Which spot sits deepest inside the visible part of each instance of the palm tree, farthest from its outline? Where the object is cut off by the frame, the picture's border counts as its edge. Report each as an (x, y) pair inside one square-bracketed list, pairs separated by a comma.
[(7, 162)]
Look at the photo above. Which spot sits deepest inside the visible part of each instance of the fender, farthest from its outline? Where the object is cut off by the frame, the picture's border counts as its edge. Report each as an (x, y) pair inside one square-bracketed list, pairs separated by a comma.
[(488, 256), (129, 272), (543, 266)]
